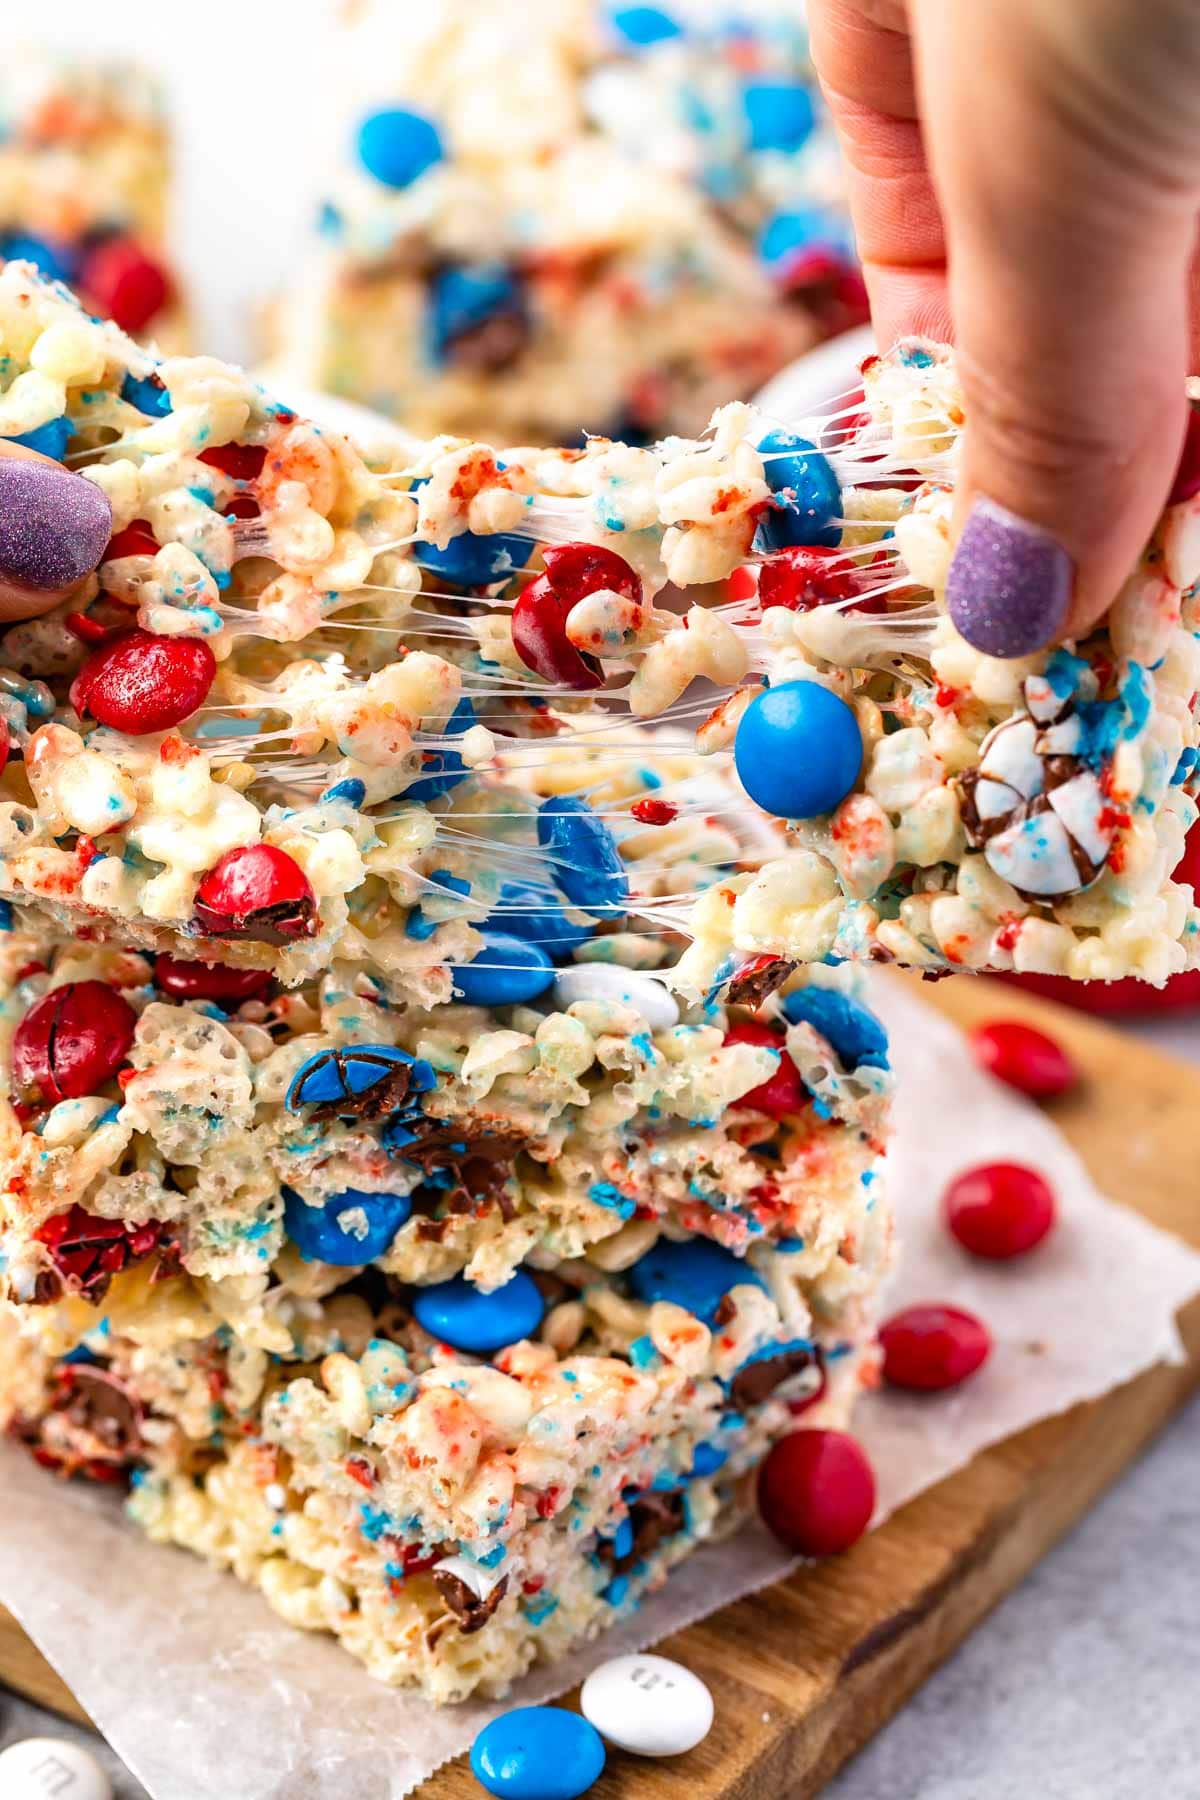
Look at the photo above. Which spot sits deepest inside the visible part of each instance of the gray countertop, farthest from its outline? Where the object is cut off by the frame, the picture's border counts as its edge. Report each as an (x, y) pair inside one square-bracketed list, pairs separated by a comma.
[(1080, 1685)]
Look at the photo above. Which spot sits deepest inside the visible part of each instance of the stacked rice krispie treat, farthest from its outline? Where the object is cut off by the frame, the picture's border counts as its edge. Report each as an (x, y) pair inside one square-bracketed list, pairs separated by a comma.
[(457, 1363), (85, 175), (641, 219), (373, 1204)]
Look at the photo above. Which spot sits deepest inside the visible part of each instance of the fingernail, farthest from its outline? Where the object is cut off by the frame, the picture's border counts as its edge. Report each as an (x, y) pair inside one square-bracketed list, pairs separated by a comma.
[(1010, 583), (53, 525)]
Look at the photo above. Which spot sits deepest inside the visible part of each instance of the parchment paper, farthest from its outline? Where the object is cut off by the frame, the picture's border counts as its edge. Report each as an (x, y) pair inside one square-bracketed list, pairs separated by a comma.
[(208, 1697)]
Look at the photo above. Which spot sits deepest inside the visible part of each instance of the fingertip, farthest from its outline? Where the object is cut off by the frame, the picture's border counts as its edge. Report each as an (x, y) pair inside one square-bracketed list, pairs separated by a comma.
[(908, 302)]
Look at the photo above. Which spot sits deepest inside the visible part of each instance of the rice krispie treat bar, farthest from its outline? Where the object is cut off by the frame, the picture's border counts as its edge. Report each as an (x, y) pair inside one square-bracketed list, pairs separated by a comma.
[(357, 702), (202, 1120), (643, 219), (456, 1486), (85, 172)]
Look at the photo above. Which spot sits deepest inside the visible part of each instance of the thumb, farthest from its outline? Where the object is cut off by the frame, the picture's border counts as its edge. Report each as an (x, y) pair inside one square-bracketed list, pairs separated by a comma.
[(1064, 142)]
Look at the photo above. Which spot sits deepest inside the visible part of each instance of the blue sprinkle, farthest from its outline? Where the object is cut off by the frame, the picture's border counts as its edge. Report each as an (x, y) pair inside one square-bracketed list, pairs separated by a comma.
[(148, 394), (374, 1523), (622, 1539), (642, 1353), (418, 926), (605, 1194), (6, 916), (616, 1590)]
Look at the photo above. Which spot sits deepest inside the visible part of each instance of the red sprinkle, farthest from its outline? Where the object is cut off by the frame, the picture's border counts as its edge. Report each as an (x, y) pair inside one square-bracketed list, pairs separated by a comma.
[(816, 1492), (141, 683), (999, 1210), (928, 1348), (654, 812), (126, 285), (781, 1093), (1024, 1058), (361, 1471)]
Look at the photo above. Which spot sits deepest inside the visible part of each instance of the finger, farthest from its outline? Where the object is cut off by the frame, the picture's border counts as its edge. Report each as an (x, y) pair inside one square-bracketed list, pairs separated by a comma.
[(54, 527), (1066, 153), (863, 56)]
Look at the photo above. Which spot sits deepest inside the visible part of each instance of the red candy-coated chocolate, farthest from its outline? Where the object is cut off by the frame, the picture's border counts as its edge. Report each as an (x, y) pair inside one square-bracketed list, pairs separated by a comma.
[(1024, 1058), (125, 284), (258, 892), (928, 1348), (241, 462), (1187, 475), (141, 683), (652, 812), (70, 1043), (802, 577), (577, 570), (539, 619), (209, 981), (816, 1492), (781, 1093), (88, 1251), (539, 635), (999, 1210), (137, 539)]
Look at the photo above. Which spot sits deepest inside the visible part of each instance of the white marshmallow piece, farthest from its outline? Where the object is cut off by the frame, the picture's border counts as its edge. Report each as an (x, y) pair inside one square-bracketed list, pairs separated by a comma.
[(608, 982), (648, 1704), (51, 1769)]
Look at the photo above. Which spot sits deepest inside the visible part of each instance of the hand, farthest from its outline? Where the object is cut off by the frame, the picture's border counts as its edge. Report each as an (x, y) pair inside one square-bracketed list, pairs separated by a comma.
[(1025, 178), (54, 527)]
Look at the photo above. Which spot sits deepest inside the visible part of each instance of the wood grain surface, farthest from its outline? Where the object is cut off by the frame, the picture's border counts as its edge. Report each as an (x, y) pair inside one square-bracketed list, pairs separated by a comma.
[(805, 1672)]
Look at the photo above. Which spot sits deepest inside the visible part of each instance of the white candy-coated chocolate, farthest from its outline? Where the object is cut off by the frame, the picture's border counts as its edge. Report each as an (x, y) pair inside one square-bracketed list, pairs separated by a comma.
[(648, 1705), (51, 1769)]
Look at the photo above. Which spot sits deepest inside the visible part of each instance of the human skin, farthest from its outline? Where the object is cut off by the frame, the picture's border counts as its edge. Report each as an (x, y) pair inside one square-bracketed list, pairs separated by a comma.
[(1025, 181), (54, 527)]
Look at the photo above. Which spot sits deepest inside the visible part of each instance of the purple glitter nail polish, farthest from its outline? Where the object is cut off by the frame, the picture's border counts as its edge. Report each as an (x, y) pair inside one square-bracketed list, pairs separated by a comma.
[(1010, 583), (53, 525)]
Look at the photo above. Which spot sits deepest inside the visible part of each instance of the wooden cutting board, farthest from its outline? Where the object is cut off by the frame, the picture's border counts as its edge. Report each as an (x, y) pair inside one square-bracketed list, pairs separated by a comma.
[(805, 1672)]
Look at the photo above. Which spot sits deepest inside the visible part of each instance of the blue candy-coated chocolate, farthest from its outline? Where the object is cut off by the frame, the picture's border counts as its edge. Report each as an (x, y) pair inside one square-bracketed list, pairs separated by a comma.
[(584, 860), (458, 1313), (696, 1274), (780, 114), (538, 1753), (535, 913), (397, 146), (707, 1459), (444, 768), (474, 559), (57, 262), (507, 971), (464, 296), (50, 439), (319, 1235), (808, 498), (333, 1075), (149, 396), (798, 750), (855, 1033), (642, 26)]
